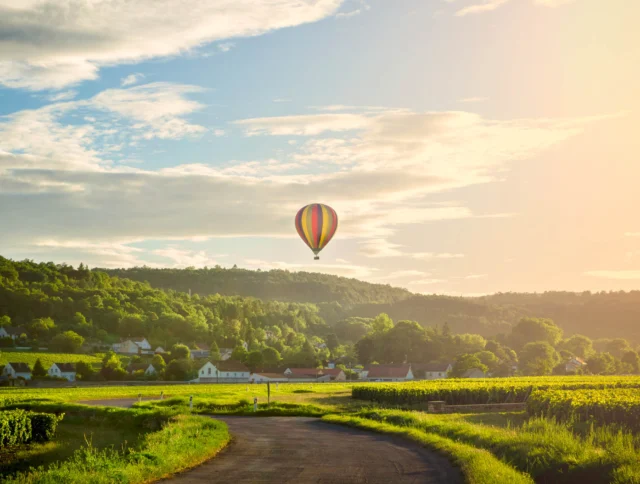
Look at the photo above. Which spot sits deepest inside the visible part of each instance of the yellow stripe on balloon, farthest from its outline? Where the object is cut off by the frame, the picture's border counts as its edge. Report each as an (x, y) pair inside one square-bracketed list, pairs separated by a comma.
[(326, 224), (305, 226)]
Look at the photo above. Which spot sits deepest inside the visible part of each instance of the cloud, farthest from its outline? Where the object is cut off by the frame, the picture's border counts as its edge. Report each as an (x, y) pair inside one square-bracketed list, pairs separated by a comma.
[(62, 96), (491, 5), (61, 179), (187, 258), (53, 44), (226, 46), (362, 6), (406, 274), (473, 100), (475, 276), (282, 100), (619, 275), (304, 125), (487, 6), (158, 107), (632, 234), (131, 79), (344, 270)]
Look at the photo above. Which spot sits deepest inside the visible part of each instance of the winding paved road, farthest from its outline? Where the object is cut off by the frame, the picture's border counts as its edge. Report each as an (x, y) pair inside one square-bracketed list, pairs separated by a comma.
[(279, 450)]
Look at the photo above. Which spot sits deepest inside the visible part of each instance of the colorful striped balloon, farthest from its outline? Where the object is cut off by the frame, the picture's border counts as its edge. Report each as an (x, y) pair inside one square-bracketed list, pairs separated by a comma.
[(316, 224)]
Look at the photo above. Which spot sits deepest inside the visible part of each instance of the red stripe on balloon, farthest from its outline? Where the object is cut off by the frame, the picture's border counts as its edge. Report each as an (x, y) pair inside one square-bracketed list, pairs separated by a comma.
[(314, 224)]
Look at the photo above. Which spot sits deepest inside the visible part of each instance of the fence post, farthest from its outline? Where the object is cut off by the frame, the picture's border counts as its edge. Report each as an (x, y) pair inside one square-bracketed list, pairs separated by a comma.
[(268, 393), (191, 402), (161, 395), (139, 397), (255, 404)]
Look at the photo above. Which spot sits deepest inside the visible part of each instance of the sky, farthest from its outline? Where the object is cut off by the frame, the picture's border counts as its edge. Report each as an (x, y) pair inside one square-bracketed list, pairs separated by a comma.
[(468, 146)]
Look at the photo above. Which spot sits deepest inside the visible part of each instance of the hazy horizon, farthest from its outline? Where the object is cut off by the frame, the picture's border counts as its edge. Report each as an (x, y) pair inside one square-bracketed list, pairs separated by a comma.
[(469, 147)]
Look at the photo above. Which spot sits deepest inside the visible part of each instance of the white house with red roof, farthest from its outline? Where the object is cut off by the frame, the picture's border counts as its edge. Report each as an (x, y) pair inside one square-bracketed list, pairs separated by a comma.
[(389, 373)]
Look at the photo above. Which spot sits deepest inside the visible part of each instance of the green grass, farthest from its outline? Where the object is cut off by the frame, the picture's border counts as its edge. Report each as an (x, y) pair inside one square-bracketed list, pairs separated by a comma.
[(167, 442), (547, 450), (47, 359), (478, 466)]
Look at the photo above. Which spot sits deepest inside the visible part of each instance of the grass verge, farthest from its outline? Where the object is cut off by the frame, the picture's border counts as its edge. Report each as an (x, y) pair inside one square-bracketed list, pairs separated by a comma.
[(180, 442), (478, 466)]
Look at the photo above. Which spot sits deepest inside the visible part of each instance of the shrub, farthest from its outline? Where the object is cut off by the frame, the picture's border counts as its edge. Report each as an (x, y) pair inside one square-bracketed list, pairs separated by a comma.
[(43, 426), (15, 428)]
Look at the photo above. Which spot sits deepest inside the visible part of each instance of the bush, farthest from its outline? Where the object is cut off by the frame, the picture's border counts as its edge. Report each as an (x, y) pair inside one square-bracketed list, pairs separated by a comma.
[(43, 426), (15, 428)]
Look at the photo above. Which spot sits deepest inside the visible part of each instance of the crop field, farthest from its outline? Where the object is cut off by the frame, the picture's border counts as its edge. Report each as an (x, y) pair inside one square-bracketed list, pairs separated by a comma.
[(482, 391), (46, 358), (603, 406)]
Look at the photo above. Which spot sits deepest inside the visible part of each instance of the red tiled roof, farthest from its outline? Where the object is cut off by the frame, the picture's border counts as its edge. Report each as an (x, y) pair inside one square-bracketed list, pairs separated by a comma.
[(388, 371), (331, 371)]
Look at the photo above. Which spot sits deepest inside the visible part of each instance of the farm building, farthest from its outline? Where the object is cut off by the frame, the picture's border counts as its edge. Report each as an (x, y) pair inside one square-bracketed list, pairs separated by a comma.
[(132, 346), (431, 371), (229, 371), (63, 370), (574, 364), (389, 373), (12, 332), (159, 350), (263, 377), (146, 367), (474, 373), (17, 370), (200, 350)]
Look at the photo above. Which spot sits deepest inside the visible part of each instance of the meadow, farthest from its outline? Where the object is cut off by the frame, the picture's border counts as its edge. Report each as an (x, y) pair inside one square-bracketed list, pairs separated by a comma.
[(48, 359), (575, 429)]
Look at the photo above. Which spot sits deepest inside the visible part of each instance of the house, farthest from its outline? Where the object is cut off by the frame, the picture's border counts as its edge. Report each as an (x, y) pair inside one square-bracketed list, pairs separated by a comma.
[(314, 374), (63, 370), (223, 371), (233, 370), (431, 371), (574, 364), (17, 370), (13, 332), (225, 353), (200, 350), (159, 350), (146, 367), (389, 373), (474, 373), (335, 374), (264, 377), (132, 346)]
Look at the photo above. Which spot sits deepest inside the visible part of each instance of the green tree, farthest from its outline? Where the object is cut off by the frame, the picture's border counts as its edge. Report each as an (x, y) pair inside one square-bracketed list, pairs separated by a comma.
[(214, 352), (84, 371), (538, 358), (41, 328), (488, 359), (5, 321), (366, 349), (632, 359), (381, 323), (602, 364), (180, 352), (239, 353), (112, 367), (158, 363), (255, 360), (618, 347), (39, 370), (467, 362), (178, 370), (67, 342), (271, 357), (332, 341), (578, 345), (531, 330)]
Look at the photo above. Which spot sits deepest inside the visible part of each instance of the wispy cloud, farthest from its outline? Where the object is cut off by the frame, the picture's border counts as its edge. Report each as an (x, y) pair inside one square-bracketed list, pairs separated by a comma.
[(487, 6), (43, 46), (616, 274), (62, 96), (360, 7), (131, 79)]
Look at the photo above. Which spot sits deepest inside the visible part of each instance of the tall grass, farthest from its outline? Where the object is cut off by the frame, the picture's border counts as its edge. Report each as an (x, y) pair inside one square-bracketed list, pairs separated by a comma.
[(547, 450)]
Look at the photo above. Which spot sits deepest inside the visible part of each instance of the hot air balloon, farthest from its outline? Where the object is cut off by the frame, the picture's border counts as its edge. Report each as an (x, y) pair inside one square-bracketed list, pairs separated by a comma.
[(316, 225)]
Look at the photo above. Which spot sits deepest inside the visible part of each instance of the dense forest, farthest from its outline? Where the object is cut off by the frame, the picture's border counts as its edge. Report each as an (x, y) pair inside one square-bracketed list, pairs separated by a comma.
[(79, 310), (597, 315)]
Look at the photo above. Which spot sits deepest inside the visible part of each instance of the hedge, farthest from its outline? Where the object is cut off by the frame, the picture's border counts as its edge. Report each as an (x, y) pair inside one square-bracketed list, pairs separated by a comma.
[(21, 427)]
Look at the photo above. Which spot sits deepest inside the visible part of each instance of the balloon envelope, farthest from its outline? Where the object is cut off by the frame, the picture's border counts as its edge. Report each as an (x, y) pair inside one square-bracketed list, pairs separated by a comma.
[(316, 224)]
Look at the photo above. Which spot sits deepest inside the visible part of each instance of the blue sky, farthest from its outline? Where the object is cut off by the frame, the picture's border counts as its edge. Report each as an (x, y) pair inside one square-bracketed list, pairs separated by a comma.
[(469, 146)]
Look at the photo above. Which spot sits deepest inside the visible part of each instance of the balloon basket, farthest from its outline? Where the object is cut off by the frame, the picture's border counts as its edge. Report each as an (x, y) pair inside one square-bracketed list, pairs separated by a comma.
[(316, 258)]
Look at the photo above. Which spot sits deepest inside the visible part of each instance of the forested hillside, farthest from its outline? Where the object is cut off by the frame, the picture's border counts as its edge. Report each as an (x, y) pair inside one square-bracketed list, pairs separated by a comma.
[(597, 315), (48, 300), (275, 285)]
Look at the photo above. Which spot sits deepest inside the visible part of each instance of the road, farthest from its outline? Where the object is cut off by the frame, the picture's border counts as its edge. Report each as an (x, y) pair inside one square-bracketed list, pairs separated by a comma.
[(279, 450)]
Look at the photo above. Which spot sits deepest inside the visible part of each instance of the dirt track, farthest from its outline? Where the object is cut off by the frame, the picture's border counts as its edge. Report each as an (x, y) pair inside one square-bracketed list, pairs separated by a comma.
[(299, 450)]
